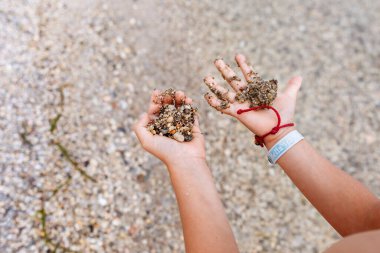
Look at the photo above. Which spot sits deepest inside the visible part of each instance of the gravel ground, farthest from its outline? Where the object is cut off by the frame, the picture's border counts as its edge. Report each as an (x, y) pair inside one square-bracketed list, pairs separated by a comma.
[(92, 63)]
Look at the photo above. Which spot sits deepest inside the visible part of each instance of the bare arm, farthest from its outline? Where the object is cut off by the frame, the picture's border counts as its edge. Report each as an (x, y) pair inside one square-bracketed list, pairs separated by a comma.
[(365, 242), (204, 222), (344, 202)]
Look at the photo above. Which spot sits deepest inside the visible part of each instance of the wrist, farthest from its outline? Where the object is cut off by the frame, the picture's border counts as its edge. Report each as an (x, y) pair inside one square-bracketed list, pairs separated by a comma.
[(189, 171), (186, 164), (271, 140)]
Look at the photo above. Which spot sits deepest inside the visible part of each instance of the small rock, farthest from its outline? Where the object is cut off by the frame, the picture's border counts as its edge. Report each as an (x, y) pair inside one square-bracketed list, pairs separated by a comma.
[(170, 119), (140, 178), (179, 137), (171, 107), (102, 201)]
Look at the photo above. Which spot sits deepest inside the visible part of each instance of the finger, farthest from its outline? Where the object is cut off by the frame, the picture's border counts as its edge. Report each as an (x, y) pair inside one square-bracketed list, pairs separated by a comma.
[(196, 128), (293, 86), (229, 75), (196, 131), (220, 92), (217, 103), (140, 128), (188, 101), (180, 98), (168, 96), (245, 68), (155, 103)]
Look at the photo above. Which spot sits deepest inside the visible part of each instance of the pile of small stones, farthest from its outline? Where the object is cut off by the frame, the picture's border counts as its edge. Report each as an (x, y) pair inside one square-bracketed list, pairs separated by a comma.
[(174, 122)]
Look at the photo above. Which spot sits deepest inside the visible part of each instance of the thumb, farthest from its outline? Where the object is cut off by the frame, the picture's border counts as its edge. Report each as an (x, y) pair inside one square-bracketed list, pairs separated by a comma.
[(140, 128), (196, 129), (293, 86)]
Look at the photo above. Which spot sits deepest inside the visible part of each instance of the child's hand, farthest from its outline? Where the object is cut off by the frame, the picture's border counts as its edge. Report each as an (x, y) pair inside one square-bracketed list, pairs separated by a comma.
[(258, 122), (170, 151)]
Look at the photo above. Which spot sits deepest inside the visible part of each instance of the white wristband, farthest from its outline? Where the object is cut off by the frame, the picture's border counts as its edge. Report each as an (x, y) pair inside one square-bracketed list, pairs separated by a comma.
[(283, 145)]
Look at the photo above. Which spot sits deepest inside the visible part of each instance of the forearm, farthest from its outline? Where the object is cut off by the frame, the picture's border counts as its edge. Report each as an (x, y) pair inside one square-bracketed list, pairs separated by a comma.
[(204, 222), (344, 202)]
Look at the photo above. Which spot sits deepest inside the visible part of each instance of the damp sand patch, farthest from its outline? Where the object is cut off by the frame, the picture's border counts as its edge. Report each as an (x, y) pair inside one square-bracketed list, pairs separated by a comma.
[(258, 92)]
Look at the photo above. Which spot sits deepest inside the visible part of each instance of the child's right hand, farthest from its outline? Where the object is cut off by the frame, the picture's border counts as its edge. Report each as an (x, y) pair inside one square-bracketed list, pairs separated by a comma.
[(258, 122), (169, 151)]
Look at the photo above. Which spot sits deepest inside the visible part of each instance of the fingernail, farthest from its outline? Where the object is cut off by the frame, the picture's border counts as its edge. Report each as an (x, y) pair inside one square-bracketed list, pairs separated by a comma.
[(217, 59)]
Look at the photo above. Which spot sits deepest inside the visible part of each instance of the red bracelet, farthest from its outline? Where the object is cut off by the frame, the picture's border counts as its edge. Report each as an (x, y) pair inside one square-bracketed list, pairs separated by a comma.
[(259, 140)]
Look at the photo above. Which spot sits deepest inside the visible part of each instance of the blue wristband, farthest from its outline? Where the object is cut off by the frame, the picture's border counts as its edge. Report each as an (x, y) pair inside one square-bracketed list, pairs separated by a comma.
[(283, 145)]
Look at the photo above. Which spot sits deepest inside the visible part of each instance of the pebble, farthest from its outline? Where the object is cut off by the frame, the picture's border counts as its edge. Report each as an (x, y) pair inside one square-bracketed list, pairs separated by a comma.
[(102, 201), (179, 137), (170, 119)]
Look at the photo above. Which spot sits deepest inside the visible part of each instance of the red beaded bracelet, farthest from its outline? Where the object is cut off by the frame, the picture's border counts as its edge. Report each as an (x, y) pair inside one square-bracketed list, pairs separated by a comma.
[(259, 140)]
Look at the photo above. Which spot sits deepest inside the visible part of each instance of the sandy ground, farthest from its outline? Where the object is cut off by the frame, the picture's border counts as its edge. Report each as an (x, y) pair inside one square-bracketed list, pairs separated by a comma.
[(94, 62)]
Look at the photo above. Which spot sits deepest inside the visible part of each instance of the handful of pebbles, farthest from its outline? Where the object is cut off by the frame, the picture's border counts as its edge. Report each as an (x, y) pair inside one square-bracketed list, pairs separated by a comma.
[(174, 122)]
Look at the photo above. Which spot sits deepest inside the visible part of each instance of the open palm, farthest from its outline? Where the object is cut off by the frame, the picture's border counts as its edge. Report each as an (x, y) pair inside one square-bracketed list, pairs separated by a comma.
[(258, 122)]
